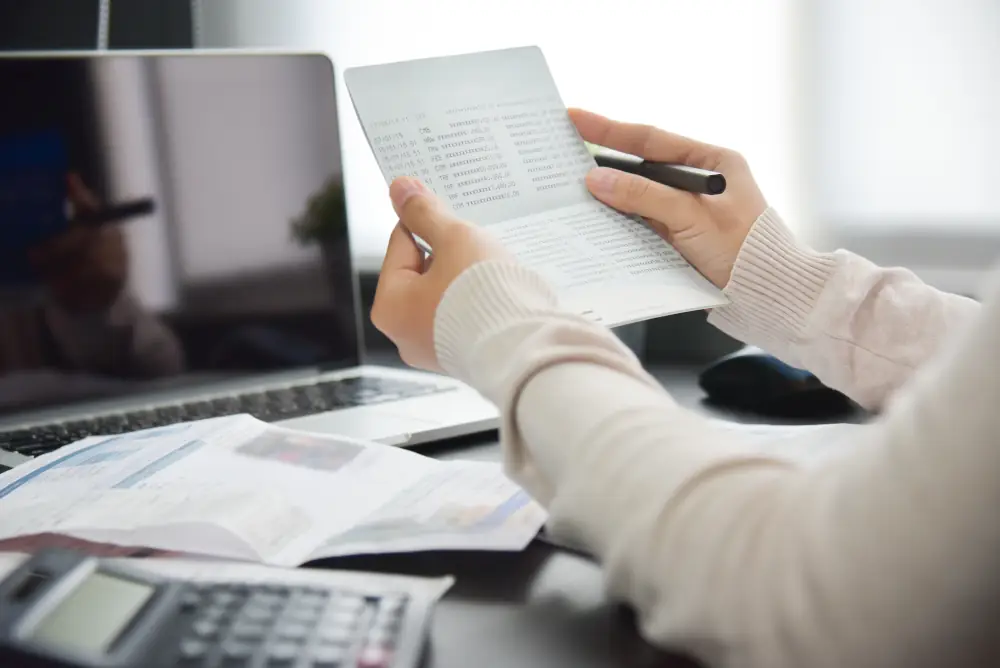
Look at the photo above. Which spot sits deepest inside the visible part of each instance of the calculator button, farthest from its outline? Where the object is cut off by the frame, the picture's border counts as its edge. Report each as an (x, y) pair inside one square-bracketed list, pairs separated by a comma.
[(311, 601), (279, 591), (328, 656), (213, 613), (190, 600), (338, 618), (205, 628), (302, 615), (192, 649), (294, 631), (348, 603), (225, 598), (283, 651), (244, 630), (257, 613), (311, 604), (336, 635), (307, 603), (268, 601), (235, 649), (236, 588)]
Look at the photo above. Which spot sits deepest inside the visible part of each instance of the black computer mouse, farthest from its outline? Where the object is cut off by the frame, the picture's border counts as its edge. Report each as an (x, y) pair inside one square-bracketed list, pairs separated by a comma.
[(753, 381)]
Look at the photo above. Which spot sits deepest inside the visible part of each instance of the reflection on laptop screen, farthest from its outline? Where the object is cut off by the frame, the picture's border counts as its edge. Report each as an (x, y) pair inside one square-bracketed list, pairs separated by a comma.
[(148, 215)]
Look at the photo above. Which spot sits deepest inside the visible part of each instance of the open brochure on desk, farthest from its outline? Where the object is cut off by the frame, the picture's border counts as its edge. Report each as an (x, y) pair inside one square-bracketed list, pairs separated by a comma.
[(236, 487)]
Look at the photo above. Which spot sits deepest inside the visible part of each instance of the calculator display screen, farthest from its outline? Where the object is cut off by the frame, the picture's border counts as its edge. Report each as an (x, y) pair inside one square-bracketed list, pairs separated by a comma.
[(94, 614)]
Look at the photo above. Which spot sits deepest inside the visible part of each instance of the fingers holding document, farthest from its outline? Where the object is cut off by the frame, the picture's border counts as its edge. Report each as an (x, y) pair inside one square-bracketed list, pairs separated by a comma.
[(707, 230), (410, 288), (646, 141)]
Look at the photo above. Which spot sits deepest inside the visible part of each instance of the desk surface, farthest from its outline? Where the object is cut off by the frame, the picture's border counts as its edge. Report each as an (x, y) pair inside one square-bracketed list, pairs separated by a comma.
[(541, 607)]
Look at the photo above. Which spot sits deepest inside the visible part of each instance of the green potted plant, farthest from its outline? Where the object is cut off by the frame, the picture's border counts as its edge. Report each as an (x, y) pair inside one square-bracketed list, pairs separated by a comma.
[(324, 219), (323, 223)]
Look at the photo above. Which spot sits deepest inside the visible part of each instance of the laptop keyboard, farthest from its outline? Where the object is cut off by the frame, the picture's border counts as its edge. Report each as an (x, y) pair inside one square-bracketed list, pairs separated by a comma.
[(270, 406)]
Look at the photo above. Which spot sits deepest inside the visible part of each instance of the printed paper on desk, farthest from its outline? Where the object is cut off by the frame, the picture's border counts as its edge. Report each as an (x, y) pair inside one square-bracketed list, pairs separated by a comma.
[(236, 487), (489, 133), (457, 505)]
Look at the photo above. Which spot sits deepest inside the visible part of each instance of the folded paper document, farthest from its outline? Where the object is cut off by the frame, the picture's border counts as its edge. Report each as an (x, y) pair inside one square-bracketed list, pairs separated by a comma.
[(489, 133), (236, 487)]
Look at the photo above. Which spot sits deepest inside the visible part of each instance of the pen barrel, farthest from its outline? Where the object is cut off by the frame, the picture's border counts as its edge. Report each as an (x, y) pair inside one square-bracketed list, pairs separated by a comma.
[(116, 213), (684, 177)]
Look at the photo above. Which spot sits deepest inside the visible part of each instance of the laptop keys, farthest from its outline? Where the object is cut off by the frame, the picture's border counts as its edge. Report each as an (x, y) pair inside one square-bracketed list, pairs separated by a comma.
[(268, 405)]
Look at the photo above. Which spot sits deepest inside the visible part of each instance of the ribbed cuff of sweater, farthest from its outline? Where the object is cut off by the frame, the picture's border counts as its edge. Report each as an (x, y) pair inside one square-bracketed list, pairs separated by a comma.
[(483, 299), (774, 287)]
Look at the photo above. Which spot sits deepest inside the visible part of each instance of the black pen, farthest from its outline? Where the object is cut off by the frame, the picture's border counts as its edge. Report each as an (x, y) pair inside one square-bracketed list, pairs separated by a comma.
[(116, 212), (682, 177)]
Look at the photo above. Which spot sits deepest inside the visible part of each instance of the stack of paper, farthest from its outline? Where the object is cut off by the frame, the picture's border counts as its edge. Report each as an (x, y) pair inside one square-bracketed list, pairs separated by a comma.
[(237, 487)]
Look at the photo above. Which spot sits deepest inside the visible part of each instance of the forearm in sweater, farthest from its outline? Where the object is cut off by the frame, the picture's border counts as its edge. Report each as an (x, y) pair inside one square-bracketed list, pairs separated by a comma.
[(859, 328), (883, 557)]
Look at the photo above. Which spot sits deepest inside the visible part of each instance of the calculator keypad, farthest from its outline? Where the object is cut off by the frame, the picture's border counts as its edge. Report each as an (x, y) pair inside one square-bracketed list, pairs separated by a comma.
[(288, 627)]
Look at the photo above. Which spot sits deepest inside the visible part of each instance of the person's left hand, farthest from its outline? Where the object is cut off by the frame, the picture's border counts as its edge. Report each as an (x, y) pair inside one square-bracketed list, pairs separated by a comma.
[(85, 267), (410, 287)]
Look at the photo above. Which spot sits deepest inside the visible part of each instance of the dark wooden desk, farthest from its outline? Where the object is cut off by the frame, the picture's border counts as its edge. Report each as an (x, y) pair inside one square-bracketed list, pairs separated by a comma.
[(542, 607)]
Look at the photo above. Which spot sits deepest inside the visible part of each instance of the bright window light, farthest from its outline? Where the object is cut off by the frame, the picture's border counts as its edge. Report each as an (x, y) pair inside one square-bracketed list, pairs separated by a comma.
[(721, 71)]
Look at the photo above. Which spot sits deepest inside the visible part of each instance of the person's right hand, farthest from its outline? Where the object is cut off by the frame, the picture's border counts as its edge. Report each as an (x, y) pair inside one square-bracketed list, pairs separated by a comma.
[(85, 268), (708, 230)]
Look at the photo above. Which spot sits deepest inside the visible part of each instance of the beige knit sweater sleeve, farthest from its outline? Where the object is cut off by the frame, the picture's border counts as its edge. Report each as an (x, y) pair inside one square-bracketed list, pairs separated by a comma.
[(884, 556), (860, 328)]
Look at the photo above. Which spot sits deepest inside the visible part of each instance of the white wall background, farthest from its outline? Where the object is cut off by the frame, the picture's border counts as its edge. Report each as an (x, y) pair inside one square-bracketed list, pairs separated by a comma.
[(230, 148), (247, 142), (908, 113), (721, 71), (125, 108)]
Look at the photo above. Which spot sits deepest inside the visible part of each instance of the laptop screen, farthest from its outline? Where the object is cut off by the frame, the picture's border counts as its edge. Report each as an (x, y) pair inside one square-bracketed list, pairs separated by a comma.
[(168, 219)]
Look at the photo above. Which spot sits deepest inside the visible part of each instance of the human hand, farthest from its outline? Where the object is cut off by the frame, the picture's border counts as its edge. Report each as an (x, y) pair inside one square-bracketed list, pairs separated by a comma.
[(85, 267), (410, 286), (707, 230)]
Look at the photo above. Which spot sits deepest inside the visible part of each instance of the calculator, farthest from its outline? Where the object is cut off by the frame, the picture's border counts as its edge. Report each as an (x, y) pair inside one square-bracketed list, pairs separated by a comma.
[(61, 609)]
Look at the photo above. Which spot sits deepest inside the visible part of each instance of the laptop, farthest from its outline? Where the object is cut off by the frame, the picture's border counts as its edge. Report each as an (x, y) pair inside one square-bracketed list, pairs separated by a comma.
[(208, 268)]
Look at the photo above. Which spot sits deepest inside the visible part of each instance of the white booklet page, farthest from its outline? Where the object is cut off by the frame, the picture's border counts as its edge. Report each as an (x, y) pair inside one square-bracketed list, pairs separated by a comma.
[(235, 487), (489, 133)]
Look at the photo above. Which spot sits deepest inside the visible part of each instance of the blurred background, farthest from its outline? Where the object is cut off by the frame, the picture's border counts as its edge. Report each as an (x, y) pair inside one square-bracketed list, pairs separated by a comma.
[(871, 126)]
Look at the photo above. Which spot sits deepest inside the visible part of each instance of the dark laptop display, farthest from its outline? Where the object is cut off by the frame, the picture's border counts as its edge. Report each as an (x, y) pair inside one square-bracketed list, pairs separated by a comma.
[(168, 220)]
